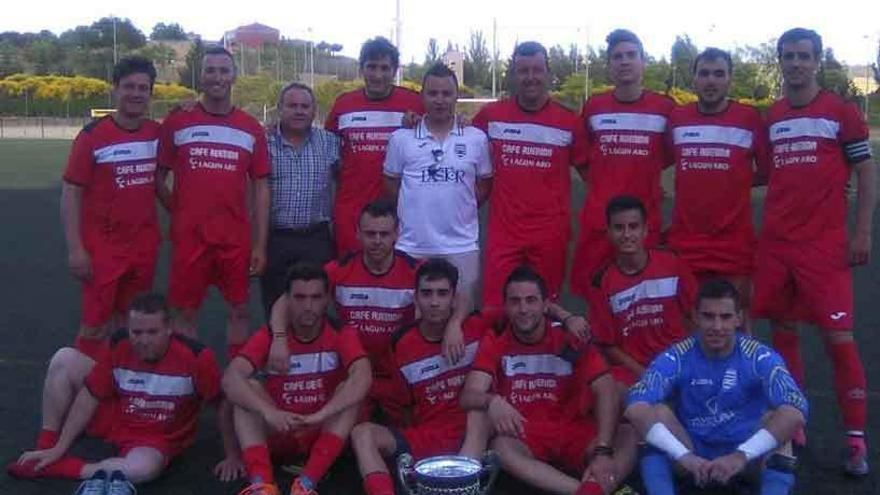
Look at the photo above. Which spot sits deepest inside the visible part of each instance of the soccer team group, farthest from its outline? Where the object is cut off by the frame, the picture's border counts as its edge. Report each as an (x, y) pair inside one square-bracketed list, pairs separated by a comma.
[(661, 374)]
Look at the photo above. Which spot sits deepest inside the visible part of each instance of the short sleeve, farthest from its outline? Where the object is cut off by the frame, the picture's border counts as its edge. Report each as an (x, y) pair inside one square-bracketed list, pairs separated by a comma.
[(256, 349), (260, 166), (167, 149), (779, 386), (484, 161), (100, 381), (600, 318), (854, 135), (658, 381), (349, 346), (393, 166), (207, 376), (81, 161), (481, 121), (331, 123), (488, 358)]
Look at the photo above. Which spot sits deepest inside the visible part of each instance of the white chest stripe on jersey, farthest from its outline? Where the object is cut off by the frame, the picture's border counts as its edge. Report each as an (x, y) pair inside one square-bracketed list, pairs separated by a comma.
[(646, 289), (374, 119), (373, 297), (530, 133), (215, 134), (316, 362), (127, 152), (535, 364), (434, 366), (153, 384), (628, 122), (712, 134), (804, 127)]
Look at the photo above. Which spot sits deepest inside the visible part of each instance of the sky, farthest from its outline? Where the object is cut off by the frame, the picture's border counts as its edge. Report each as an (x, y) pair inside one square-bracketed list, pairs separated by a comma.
[(852, 28)]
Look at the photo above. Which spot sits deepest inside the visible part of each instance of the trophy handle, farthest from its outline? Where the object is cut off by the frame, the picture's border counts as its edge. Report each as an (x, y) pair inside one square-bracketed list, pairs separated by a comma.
[(405, 472), (491, 467)]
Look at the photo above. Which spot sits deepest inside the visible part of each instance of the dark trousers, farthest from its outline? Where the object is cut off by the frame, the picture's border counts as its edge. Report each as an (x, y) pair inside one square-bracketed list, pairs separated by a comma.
[(288, 246)]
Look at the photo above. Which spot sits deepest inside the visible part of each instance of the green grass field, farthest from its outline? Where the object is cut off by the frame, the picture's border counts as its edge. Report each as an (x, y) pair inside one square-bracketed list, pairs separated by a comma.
[(40, 312)]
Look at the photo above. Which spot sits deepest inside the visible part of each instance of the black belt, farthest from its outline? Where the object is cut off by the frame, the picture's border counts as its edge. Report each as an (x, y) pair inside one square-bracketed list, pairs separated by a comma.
[(301, 231)]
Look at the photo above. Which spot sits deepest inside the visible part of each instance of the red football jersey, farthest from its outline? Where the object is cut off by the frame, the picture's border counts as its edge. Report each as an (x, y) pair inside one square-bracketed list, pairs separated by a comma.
[(545, 380), (316, 367), (156, 401), (376, 305), (812, 147), (532, 153), (116, 169), (431, 383), (715, 156), (644, 313), (212, 157), (628, 152), (365, 126)]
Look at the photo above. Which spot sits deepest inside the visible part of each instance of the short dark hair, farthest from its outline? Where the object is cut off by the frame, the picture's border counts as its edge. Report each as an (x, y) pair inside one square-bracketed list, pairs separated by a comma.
[(619, 36), (150, 303), (525, 273), (712, 53), (295, 85), (134, 65), (437, 269), (376, 48), (529, 49), (218, 50), (618, 204), (440, 69), (306, 271), (718, 288), (380, 208), (798, 34)]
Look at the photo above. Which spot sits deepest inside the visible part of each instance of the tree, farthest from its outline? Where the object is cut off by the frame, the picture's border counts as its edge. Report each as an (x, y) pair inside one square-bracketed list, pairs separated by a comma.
[(561, 66), (10, 63), (684, 52), (876, 68), (833, 76), (478, 58), (432, 55), (168, 32), (189, 74)]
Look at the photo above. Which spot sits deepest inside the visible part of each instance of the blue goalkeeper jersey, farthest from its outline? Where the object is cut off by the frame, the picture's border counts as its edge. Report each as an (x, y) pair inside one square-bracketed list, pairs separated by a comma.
[(719, 400)]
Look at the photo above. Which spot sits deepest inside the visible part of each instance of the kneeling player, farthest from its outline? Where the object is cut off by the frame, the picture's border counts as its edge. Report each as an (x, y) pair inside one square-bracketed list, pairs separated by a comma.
[(428, 380), (529, 379), (310, 409), (718, 405), (154, 381)]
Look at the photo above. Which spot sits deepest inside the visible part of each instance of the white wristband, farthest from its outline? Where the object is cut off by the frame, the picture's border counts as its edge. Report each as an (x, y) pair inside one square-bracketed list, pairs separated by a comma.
[(659, 436), (758, 444)]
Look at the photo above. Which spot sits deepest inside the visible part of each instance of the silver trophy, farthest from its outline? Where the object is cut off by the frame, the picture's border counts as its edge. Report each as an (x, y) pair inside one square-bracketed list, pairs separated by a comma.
[(448, 474)]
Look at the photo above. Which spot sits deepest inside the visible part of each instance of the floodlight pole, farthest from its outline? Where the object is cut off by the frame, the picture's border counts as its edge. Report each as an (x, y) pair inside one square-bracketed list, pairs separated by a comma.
[(114, 41), (494, 56), (398, 23)]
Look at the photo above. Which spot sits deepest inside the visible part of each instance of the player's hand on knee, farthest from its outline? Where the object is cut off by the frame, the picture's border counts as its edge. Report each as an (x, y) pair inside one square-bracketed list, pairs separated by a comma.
[(80, 264), (229, 469), (726, 467), (603, 470), (696, 466), (280, 421), (505, 418), (40, 458)]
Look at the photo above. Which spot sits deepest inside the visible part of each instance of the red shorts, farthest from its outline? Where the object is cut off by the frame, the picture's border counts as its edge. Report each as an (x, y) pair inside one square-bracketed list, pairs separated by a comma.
[(428, 440), (804, 282), (546, 256), (116, 279), (195, 265), (624, 375), (560, 443), (730, 257), (292, 446), (384, 394)]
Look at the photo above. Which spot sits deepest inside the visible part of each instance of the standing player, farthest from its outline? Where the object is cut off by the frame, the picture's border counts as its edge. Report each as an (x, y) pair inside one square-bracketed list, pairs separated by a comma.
[(718, 145), (529, 379), (216, 151), (639, 303), (309, 409), (108, 205), (626, 129), (428, 381), (720, 405), (372, 290), (534, 142), (803, 266), (364, 119)]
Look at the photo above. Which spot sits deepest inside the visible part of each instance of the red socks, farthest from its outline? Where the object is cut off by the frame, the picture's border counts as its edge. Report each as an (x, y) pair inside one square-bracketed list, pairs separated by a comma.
[(324, 452), (68, 467), (232, 350), (378, 483), (787, 344), (590, 488), (46, 439), (849, 383), (258, 464)]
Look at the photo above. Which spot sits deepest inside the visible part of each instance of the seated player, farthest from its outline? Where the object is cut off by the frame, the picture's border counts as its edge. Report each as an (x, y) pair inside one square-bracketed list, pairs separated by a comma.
[(309, 410), (640, 301), (429, 382), (720, 406), (529, 379), (143, 396)]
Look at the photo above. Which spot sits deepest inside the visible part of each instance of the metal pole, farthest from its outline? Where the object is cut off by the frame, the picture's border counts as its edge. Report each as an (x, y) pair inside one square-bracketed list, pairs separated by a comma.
[(115, 58), (397, 37), (587, 67), (494, 56)]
